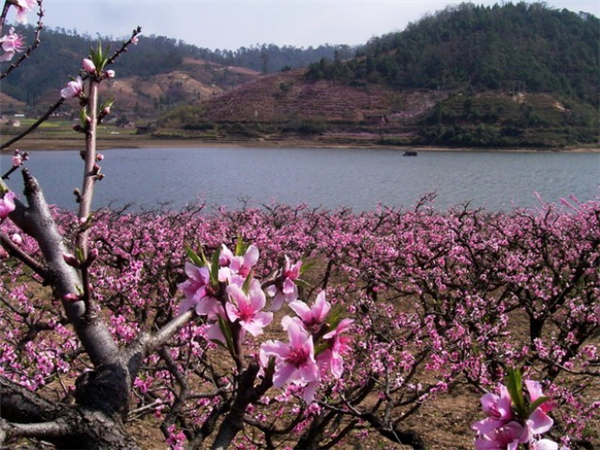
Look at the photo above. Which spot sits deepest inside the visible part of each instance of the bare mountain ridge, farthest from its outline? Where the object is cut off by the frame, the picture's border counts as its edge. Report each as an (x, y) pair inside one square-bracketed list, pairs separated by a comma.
[(195, 81), (151, 95), (287, 96)]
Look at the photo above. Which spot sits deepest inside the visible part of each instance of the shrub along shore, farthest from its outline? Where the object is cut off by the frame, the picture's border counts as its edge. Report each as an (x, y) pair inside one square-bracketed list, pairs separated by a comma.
[(49, 142)]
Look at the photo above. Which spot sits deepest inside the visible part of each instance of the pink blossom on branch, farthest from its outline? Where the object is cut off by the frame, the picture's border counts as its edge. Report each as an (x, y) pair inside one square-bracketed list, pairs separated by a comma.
[(196, 290), (11, 43), (74, 89), (7, 204), (286, 290), (314, 317), (506, 437), (511, 421), (498, 408), (23, 8), (239, 265), (247, 308), (294, 362), (338, 346), (17, 160)]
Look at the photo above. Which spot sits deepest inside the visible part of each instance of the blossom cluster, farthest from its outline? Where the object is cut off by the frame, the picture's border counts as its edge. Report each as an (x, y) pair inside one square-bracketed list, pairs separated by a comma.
[(511, 422), (227, 294)]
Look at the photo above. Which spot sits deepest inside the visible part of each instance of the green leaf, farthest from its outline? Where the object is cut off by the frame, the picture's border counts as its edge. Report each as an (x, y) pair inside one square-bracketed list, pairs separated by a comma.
[(203, 256), (247, 282), (306, 266), (214, 269), (335, 316), (79, 255), (99, 56), (83, 117), (515, 389), (196, 260), (240, 246), (535, 405), (226, 330), (301, 283)]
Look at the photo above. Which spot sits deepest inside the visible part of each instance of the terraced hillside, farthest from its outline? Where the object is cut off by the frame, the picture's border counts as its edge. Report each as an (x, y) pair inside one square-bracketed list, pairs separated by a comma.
[(290, 106)]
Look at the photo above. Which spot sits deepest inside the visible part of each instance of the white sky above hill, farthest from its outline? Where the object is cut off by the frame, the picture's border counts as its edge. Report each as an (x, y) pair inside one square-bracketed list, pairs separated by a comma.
[(230, 24)]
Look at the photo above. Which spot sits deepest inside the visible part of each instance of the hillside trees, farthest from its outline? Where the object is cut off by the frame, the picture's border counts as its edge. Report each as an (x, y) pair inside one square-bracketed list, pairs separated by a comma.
[(154, 55), (488, 47)]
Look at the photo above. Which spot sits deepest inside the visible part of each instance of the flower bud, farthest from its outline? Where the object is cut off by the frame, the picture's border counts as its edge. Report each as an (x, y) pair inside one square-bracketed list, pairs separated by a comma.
[(17, 239), (17, 160), (88, 65), (110, 73), (93, 256), (70, 297), (99, 157), (71, 260)]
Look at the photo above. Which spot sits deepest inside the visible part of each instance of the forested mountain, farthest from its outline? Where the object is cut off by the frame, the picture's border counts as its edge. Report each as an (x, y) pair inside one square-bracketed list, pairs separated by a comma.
[(498, 76), (514, 47), (47, 70)]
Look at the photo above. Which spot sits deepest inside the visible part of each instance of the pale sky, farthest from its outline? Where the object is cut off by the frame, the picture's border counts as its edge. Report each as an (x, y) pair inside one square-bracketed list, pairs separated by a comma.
[(230, 24)]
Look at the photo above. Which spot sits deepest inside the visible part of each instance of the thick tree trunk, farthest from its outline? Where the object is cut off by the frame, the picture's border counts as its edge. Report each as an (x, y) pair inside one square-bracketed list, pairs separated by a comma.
[(26, 414)]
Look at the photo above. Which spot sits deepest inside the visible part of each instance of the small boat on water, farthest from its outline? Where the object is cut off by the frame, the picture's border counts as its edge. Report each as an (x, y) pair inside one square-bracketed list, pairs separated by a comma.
[(410, 153)]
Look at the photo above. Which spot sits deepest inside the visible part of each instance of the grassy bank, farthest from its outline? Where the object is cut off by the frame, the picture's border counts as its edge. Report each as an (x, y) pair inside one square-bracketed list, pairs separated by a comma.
[(72, 141)]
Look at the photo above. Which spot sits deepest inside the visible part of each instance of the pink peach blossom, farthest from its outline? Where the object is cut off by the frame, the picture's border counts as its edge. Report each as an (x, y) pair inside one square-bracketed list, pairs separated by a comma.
[(338, 347), (11, 43), (196, 291), (506, 437), (247, 308), (73, 89), (314, 317), (497, 408), (17, 160), (294, 362), (24, 7), (286, 290), (240, 265), (7, 204)]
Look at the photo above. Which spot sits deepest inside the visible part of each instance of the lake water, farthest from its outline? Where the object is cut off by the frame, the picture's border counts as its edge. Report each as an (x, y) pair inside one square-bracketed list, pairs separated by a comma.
[(331, 178)]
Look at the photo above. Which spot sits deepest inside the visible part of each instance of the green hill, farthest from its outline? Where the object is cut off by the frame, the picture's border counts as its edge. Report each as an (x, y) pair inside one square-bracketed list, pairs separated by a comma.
[(497, 76), (39, 79), (515, 47)]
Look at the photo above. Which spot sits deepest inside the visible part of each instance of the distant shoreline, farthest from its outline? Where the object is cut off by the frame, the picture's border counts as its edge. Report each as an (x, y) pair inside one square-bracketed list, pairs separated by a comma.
[(113, 142)]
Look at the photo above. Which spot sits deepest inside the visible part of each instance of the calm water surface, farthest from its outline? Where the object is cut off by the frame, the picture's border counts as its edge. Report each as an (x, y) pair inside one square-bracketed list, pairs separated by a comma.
[(331, 178)]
